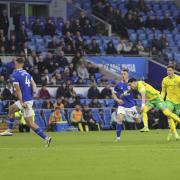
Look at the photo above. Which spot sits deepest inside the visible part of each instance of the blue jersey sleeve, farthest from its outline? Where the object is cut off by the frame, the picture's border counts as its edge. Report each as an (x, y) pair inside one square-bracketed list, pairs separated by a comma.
[(116, 88), (14, 79)]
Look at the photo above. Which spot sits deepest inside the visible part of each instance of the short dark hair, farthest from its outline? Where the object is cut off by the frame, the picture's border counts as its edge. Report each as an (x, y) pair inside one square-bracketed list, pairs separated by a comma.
[(170, 66), (126, 70), (132, 80), (20, 60)]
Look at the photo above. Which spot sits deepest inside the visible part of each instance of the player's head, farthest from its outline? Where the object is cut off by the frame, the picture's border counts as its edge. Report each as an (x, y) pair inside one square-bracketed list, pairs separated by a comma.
[(124, 75), (19, 63), (170, 70), (132, 83)]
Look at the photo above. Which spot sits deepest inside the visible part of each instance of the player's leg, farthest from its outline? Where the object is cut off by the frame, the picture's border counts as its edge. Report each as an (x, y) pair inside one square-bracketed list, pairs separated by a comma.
[(170, 115), (120, 119), (37, 130), (12, 109), (173, 131), (171, 122), (28, 116), (145, 118)]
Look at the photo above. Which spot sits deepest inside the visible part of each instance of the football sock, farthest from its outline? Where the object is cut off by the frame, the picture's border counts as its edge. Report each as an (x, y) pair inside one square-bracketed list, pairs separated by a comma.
[(145, 119), (145, 116), (118, 130), (40, 132), (10, 124), (172, 125)]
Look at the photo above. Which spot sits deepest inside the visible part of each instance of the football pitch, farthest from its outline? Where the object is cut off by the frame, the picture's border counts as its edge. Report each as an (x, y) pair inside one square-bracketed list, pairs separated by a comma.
[(90, 156)]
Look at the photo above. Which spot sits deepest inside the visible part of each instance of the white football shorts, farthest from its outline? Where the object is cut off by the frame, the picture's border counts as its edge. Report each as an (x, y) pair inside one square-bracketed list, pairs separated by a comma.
[(131, 112), (27, 112)]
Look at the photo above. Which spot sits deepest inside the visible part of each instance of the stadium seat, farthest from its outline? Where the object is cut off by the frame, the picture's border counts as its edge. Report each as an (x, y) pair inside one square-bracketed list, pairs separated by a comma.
[(96, 116), (107, 116), (142, 36), (145, 43), (101, 101), (109, 102), (177, 37), (39, 121), (133, 37), (38, 104), (47, 113), (177, 56)]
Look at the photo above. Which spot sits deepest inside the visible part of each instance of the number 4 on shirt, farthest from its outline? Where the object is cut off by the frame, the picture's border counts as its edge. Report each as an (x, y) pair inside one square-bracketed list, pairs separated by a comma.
[(27, 81)]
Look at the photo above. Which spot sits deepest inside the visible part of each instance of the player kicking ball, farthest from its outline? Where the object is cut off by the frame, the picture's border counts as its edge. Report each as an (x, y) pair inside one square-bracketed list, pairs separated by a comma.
[(154, 100), (126, 103), (25, 87)]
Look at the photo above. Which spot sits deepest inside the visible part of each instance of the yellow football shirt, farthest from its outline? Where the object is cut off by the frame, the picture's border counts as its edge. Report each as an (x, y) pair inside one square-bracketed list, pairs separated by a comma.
[(150, 92), (171, 86)]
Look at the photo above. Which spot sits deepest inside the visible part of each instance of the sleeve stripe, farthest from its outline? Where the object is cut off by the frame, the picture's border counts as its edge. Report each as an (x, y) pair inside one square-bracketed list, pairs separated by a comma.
[(15, 82)]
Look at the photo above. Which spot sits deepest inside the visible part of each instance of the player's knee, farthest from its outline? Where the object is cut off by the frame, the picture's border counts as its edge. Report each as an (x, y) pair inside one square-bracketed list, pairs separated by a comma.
[(145, 109), (166, 112), (120, 118), (29, 122)]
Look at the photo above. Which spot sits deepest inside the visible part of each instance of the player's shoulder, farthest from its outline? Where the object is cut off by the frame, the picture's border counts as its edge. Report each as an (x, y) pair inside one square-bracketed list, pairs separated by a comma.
[(141, 83), (177, 77), (166, 78), (14, 74), (118, 84)]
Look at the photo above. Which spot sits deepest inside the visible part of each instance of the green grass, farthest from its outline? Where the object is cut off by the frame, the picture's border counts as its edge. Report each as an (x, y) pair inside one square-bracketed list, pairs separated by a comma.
[(93, 155)]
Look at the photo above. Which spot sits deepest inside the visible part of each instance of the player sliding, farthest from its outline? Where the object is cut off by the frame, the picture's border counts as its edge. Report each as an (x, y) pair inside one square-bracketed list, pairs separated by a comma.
[(25, 87), (171, 92), (154, 100), (126, 103)]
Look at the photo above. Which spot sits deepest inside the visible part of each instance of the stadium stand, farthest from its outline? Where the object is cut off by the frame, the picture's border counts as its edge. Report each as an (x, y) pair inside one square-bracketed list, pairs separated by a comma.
[(148, 28)]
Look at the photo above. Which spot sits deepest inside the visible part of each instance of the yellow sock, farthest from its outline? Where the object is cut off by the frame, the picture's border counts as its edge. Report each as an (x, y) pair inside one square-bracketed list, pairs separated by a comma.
[(145, 119), (172, 126), (87, 128), (170, 115), (80, 127)]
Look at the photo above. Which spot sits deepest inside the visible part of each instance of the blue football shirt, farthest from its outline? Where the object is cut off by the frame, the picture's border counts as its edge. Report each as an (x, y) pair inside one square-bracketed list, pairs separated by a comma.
[(23, 78), (128, 99)]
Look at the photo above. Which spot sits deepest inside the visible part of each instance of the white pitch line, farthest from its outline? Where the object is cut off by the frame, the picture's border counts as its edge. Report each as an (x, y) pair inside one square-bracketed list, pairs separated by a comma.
[(98, 149)]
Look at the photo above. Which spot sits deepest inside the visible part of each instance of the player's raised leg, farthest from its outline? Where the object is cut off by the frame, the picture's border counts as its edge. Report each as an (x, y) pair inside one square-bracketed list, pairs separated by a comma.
[(12, 109)]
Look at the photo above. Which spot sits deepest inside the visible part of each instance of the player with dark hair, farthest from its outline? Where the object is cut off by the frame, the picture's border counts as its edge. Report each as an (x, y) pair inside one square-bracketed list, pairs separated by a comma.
[(25, 87), (171, 93), (126, 103), (154, 100)]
